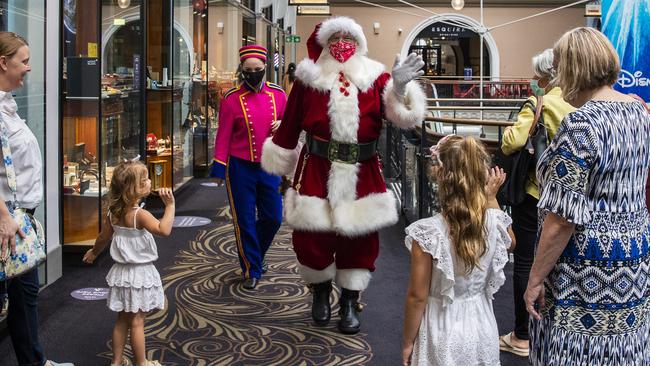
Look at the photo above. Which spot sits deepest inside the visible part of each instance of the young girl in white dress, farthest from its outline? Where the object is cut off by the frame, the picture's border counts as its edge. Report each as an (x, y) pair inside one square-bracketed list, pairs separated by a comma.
[(457, 260), (134, 283)]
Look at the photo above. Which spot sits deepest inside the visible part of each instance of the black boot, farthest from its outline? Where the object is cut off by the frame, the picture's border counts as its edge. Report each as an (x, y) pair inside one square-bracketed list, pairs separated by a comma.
[(349, 312), (321, 310)]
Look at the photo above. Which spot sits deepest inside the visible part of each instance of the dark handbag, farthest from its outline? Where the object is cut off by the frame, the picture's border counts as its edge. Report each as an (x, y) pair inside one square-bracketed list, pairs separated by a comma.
[(518, 164)]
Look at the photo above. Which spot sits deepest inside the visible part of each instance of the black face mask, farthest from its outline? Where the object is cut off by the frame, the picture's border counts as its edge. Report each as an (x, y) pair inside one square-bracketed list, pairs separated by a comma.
[(253, 78)]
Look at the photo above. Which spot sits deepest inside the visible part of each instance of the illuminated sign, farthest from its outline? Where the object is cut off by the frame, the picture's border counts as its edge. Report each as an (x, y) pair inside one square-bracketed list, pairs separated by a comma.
[(308, 2), (314, 10)]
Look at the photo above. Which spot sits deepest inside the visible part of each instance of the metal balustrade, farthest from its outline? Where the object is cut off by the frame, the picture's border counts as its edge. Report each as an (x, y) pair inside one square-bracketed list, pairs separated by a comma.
[(406, 153)]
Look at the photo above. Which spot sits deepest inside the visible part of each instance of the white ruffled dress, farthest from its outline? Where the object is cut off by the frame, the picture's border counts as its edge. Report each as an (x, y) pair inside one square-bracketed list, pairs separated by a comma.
[(134, 282), (458, 326)]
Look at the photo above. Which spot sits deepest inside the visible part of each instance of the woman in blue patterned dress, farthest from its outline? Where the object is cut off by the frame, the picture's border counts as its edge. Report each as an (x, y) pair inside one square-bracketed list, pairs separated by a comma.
[(588, 288)]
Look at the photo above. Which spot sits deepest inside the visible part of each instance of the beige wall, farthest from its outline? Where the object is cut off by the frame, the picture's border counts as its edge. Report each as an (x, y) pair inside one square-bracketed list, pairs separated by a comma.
[(516, 43), (223, 48)]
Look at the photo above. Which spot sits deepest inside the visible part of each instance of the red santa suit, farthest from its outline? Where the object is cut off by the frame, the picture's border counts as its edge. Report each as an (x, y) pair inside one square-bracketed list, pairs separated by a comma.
[(337, 208)]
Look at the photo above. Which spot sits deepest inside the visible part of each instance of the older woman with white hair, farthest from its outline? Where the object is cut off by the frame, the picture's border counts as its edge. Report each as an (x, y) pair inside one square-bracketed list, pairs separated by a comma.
[(524, 215)]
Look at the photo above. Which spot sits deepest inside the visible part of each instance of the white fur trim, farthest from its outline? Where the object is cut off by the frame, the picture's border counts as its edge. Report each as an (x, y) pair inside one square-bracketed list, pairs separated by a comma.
[(343, 112), (351, 219), (311, 275), (408, 111), (342, 24), (323, 74), (307, 213), (342, 183), (278, 160), (365, 215), (353, 279)]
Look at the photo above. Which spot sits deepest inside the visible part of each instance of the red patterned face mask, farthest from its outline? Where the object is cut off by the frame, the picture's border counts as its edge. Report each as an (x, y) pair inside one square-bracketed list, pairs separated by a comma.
[(343, 50)]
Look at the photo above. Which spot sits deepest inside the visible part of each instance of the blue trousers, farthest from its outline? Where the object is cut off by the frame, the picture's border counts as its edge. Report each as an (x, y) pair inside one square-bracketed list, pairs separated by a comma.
[(256, 207), (22, 319)]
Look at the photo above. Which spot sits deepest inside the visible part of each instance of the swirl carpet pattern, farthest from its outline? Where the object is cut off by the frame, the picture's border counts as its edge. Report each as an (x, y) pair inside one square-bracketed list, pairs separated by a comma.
[(211, 320)]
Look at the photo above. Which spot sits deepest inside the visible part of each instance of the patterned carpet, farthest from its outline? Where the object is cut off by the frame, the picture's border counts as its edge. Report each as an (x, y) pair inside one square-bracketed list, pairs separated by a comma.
[(209, 320), (212, 320)]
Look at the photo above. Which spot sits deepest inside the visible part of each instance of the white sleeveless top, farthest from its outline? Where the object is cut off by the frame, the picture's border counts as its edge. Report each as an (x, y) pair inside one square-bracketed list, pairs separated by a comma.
[(133, 245)]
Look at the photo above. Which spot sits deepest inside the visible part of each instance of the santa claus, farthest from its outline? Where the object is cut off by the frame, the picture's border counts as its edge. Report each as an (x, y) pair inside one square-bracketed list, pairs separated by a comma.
[(338, 200)]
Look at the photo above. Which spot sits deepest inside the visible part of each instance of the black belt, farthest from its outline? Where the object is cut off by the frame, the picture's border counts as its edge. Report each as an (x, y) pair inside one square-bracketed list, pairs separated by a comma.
[(341, 152)]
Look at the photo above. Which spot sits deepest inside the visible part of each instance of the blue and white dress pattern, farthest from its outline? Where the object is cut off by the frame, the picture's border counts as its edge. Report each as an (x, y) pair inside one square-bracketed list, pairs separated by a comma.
[(597, 296)]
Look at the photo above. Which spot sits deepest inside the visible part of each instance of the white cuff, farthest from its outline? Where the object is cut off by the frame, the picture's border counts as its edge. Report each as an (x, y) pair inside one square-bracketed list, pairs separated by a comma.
[(278, 160), (405, 111)]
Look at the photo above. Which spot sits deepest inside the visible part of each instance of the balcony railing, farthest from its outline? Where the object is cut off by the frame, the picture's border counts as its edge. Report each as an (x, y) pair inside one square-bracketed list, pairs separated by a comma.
[(406, 154)]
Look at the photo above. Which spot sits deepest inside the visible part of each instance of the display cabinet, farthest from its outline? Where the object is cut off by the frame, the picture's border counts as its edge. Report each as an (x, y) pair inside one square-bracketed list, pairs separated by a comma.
[(102, 117), (138, 78)]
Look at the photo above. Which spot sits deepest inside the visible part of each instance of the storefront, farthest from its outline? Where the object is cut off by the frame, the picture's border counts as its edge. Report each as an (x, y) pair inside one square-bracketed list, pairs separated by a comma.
[(449, 50), (27, 18), (145, 78)]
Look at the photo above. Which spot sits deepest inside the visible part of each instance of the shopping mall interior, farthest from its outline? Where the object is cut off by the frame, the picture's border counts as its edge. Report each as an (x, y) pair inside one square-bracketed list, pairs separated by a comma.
[(113, 80)]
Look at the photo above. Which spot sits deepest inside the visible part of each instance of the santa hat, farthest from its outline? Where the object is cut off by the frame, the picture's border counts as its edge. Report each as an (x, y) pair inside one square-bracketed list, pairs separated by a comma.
[(323, 31)]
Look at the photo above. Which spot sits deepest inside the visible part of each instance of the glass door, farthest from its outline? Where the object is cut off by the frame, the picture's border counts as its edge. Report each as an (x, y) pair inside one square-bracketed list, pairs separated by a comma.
[(122, 77), (189, 75), (80, 85)]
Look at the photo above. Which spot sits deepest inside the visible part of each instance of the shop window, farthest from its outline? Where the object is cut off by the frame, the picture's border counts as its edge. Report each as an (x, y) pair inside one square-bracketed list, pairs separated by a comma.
[(27, 18), (448, 50), (248, 31), (131, 88), (80, 125), (250, 4)]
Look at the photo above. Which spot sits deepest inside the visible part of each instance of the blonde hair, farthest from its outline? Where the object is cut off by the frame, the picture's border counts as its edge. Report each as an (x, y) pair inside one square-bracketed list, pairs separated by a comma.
[(586, 60), (10, 42), (127, 187), (461, 182)]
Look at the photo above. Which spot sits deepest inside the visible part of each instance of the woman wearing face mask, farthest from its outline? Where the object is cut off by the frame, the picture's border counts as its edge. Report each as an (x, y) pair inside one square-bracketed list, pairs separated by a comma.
[(338, 200), (248, 115), (524, 215)]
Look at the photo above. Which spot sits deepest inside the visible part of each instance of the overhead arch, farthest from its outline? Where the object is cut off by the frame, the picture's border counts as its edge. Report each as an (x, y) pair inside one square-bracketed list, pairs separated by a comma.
[(133, 17), (464, 21)]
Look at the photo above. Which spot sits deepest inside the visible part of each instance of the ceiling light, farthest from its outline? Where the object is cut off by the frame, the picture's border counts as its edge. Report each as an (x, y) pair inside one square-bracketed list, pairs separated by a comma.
[(123, 4), (457, 4)]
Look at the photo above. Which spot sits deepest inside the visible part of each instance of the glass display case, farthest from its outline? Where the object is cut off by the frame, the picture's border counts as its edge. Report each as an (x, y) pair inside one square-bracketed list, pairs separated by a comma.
[(102, 117), (80, 124), (190, 75), (138, 78)]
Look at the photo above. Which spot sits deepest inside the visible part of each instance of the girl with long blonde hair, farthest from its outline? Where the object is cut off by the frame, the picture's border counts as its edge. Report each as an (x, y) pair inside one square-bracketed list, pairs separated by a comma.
[(457, 260), (134, 283)]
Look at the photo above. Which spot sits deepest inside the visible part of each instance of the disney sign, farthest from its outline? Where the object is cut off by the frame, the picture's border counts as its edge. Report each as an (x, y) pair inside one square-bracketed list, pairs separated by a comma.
[(627, 79)]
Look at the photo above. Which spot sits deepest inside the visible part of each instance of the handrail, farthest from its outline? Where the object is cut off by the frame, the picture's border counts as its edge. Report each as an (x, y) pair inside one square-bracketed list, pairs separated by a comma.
[(484, 100), (471, 122), (463, 77), (471, 108), (433, 138), (485, 83)]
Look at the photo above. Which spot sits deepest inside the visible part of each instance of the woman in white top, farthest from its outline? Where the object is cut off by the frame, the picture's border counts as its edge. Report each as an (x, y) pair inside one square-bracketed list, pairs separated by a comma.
[(22, 291), (457, 260)]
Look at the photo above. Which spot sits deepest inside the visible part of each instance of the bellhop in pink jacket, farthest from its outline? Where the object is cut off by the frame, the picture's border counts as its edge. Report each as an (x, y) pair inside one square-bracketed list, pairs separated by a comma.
[(245, 119)]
